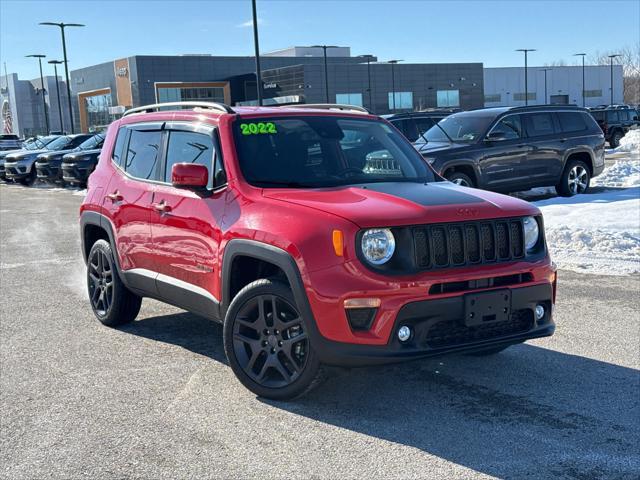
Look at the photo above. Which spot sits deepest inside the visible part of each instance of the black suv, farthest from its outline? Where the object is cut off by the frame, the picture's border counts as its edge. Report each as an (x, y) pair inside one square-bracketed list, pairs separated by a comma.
[(78, 165), (414, 124), (615, 122), (508, 149), (50, 166)]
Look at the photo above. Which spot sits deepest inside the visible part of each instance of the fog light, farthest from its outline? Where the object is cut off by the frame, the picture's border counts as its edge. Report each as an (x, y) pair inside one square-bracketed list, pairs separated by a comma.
[(404, 333), (539, 312)]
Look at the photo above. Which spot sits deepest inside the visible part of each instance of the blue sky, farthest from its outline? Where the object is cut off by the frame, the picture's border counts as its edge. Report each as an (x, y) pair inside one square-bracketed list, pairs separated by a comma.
[(416, 31)]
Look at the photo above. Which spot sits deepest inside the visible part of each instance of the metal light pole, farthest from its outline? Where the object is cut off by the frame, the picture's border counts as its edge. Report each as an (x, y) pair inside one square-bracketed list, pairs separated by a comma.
[(545, 70), (368, 58), (526, 84), (326, 73), (256, 44), (583, 85), (42, 89), (62, 26), (611, 57), (55, 64), (393, 81)]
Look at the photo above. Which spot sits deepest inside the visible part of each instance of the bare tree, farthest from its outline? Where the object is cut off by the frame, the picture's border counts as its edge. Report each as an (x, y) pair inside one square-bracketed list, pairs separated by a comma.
[(630, 60)]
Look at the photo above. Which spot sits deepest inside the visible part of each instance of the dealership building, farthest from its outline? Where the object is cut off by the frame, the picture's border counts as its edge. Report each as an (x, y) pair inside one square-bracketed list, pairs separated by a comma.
[(100, 93), (23, 111)]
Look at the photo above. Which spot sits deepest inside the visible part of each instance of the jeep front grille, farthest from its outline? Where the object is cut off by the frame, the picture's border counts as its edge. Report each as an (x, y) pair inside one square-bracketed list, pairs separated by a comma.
[(462, 244)]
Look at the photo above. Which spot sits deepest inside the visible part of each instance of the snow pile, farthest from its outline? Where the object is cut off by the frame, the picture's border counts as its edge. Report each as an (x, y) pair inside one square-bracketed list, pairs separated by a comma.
[(595, 233), (630, 142), (623, 173)]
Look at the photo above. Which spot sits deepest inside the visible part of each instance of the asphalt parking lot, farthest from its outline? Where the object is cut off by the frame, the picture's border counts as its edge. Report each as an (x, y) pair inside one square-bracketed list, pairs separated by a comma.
[(155, 399)]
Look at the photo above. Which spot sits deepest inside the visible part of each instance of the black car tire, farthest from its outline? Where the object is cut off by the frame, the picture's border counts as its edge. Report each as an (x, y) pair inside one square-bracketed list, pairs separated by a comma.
[(488, 351), (258, 345), (615, 139), (566, 187), (30, 179), (112, 303), (460, 178)]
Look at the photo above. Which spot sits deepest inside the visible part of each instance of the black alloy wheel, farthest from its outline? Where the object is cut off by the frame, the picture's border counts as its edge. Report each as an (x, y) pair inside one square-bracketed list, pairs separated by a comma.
[(267, 342), (100, 275)]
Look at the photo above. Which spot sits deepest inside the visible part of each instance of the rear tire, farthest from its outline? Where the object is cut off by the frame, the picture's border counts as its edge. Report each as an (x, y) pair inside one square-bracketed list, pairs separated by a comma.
[(575, 179), (112, 303), (461, 179), (267, 342), (615, 139)]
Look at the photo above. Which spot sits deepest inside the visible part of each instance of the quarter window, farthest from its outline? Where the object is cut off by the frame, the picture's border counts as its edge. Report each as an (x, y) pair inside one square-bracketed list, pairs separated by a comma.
[(143, 154), (540, 124), (571, 122), (612, 116), (117, 150), (189, 147)]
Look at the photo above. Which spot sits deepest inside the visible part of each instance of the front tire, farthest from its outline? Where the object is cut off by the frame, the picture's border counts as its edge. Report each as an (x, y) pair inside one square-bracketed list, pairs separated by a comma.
[(267, 342), (30, 179), (112, 303), (461, 179), (575, 179)]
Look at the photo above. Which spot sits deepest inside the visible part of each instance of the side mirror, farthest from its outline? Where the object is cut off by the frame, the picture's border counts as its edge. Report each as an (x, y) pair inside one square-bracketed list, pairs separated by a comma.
[(495, 137), (189, 175)]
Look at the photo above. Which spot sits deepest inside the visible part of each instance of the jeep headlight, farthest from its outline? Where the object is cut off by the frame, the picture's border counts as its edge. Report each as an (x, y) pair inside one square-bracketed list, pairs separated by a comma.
[(378, 245), (531, 233)]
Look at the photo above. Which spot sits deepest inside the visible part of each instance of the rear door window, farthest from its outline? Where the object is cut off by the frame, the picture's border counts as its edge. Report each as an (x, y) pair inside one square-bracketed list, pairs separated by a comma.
[(189, 147), (143, 154), (571, 122), (613, 116), (539, 124)]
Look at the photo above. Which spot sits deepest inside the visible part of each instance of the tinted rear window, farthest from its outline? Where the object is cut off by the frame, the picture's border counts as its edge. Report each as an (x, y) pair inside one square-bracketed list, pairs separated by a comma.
[(539, 124), (118, 154), (571, 122)]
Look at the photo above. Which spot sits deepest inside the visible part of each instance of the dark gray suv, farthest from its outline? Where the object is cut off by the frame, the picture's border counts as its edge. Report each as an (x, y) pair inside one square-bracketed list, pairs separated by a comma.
[(508, 149)]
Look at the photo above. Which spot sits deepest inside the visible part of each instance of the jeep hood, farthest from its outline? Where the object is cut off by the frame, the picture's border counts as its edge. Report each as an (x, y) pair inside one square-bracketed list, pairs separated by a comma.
[(53, 155), (75, 156), (26, 155), (401, 203), (436, 147)]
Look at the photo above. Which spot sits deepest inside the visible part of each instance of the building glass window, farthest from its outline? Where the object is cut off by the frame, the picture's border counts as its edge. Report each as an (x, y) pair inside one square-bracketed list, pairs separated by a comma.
[(448, 98), (519, 97), (97, 108), (403, 100), (592, 93), (349, 99), (493, 98), (184, 94)]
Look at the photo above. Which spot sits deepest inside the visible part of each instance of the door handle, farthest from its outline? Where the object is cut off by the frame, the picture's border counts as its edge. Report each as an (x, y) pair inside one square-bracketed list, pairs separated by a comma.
[(115, 196), (161, 207)]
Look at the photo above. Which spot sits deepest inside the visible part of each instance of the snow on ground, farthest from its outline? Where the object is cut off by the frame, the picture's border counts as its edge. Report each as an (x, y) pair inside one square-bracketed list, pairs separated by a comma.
[(598, 232)]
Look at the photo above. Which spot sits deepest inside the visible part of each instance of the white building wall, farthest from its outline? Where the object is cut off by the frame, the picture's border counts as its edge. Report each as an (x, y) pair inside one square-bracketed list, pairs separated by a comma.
[(563, 82)]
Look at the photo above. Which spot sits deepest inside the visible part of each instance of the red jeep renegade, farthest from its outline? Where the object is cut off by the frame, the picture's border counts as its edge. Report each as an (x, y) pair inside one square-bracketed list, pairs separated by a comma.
[(315, 233)]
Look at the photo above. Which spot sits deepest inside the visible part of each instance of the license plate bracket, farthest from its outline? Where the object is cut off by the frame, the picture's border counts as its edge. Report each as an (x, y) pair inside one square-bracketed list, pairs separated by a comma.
[(487, 307)]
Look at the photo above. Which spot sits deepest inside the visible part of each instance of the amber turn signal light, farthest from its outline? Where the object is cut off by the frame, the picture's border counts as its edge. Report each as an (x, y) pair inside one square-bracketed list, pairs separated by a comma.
[(338, 243)]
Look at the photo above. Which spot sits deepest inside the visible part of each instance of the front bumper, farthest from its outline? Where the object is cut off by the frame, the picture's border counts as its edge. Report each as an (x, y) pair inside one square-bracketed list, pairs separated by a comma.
[(439, 328), (47, 172), (75, 172), (17, 171)]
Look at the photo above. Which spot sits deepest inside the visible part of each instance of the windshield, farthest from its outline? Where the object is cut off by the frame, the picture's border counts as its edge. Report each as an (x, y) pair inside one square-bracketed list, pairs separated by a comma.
[(467, 128), (39, 143), (94, 142), (325, 151), (59, 143)]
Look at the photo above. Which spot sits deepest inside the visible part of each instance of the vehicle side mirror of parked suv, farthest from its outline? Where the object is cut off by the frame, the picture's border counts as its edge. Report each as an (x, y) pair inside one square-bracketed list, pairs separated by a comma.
[(495, 137), (189, 175)]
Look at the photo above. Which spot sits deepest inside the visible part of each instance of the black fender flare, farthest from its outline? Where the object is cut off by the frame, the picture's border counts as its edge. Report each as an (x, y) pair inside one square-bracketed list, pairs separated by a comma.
[(458, 162), (89, 217), (573, 151)]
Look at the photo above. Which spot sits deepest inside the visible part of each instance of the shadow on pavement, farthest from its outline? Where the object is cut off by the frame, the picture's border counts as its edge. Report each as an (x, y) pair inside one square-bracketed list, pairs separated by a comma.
[(527, 412)]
